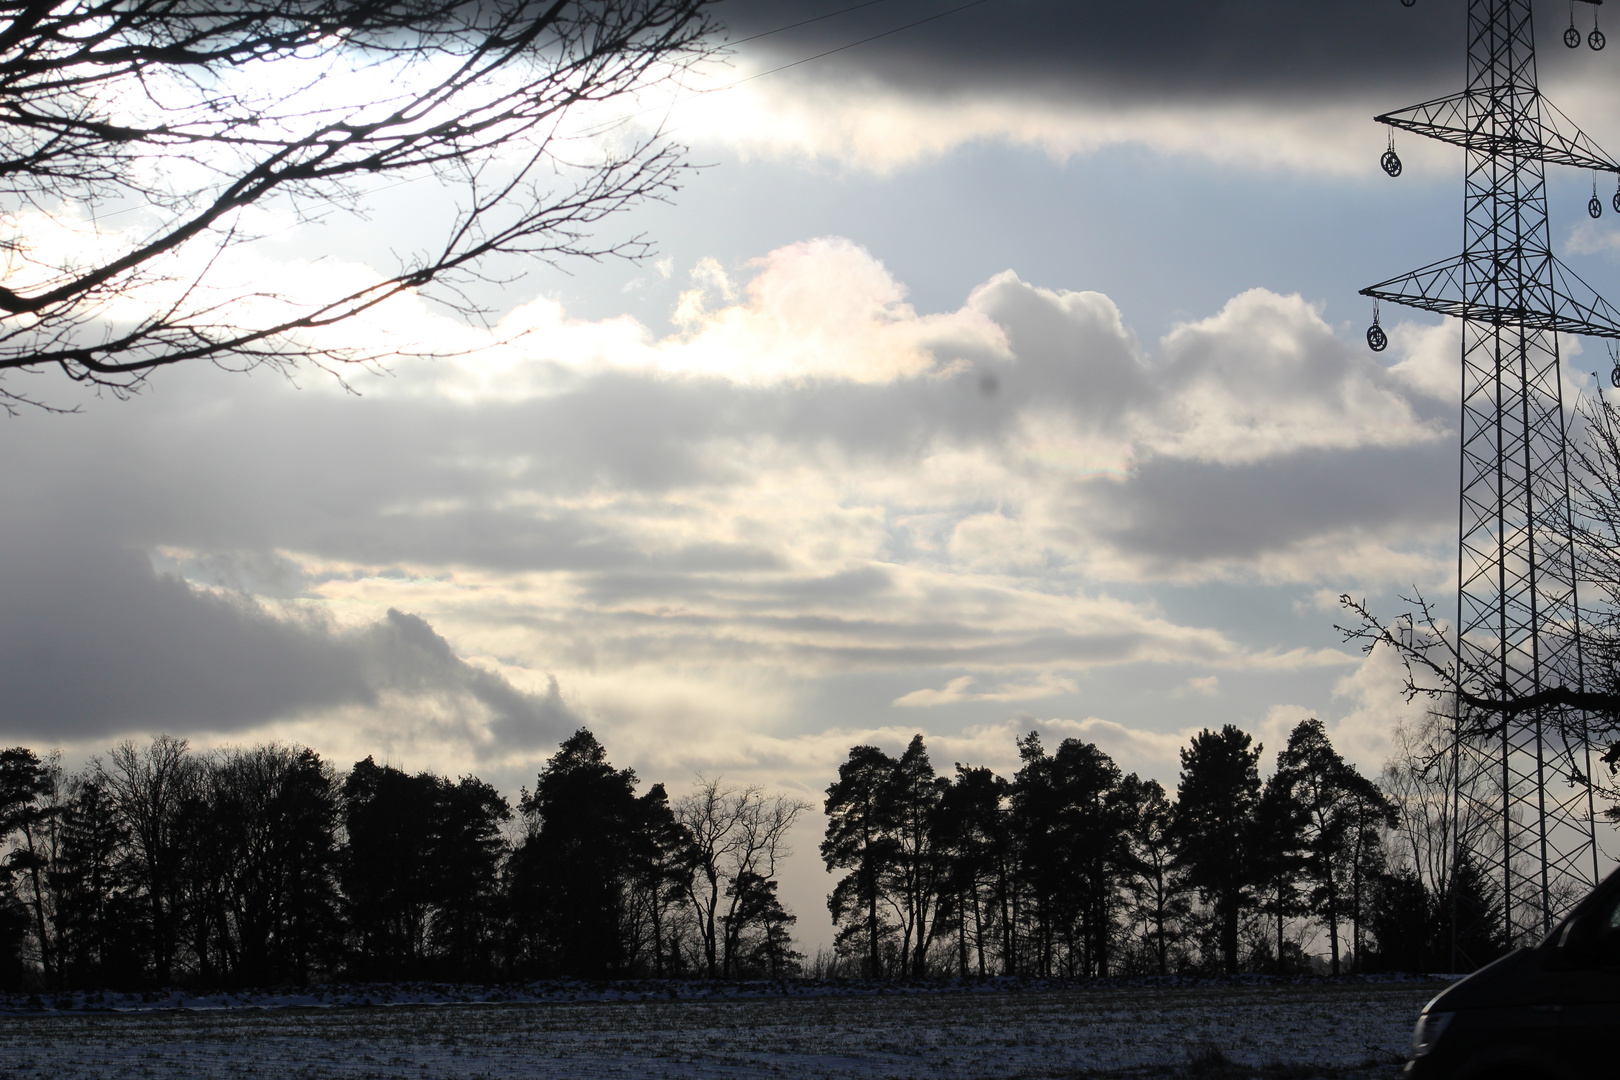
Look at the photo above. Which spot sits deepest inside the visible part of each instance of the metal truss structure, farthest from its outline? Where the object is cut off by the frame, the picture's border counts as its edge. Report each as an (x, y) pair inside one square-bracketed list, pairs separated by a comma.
[(1518, 617)]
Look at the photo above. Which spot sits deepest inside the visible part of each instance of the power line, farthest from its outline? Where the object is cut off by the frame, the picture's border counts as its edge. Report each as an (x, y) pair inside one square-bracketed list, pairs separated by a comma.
[(718, 89), (806, 22), (851, 45), (666, 109)]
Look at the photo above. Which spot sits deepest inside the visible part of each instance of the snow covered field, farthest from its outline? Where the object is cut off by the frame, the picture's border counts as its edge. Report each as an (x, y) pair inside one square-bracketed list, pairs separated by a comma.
[(1336, 1029)]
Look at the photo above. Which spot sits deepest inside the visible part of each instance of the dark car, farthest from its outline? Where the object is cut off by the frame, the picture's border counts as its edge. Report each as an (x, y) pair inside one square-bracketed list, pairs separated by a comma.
[(1547, 1013)]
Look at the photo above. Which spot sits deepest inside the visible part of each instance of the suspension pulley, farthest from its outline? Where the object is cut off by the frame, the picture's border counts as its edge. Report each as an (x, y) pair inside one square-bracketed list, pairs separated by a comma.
[(1378, 341)]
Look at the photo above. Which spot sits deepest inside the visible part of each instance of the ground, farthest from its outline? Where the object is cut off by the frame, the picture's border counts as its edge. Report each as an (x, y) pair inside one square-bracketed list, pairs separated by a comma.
[(1328, 1029)]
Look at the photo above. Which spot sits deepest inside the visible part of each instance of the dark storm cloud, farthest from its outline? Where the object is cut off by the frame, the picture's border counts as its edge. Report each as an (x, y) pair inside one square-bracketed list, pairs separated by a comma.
[(380, 482), (93, 642), (1177, 512), (403, 653), (1253, 49)]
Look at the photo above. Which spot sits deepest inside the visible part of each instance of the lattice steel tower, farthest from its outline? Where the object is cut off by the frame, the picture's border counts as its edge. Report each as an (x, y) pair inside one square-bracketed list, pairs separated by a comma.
[(1518, 617)]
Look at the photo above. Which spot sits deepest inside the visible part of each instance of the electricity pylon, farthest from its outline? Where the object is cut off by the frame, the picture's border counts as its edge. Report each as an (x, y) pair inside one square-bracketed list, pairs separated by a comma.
[(1518, 615)]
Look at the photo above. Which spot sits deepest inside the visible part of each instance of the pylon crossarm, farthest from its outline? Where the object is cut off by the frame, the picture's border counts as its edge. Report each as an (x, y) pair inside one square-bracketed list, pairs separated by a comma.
[(1571, 306), (1555, 138), (1581, 303)]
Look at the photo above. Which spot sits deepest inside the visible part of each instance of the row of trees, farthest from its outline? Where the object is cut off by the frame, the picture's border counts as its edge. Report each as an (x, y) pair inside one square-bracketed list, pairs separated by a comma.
[(1073, 868), (264, 865)]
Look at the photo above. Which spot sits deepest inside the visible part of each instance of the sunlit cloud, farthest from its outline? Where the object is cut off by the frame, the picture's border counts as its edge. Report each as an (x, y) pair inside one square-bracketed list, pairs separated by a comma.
[(962, 689)]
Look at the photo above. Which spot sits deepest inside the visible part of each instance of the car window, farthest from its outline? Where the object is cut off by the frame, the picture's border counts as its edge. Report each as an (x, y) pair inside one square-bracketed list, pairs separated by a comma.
[(1608, 943)]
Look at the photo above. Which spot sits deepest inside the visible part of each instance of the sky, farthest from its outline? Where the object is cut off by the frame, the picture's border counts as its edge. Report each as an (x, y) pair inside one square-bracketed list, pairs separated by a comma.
[(1002, 373)]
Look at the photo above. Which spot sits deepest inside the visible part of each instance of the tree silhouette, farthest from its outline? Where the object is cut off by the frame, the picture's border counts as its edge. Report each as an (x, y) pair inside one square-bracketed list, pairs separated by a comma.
[(466, 852), (570, 872), (1154, 880), (860, 839), (98, 909), (1405, 923), (1216, 804), (148, 788), (1067, 808), (259, 866), (973, 837), (1338, 807), (760, 928), (385, 869), (1471, 910), (273, 815), (660, 874), (731, 832), (1280, 823), (22, 781), (916, 869)]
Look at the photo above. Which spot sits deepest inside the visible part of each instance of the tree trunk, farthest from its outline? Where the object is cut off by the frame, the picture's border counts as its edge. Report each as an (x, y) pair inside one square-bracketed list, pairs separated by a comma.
[(919, 962), (1280, 927), (45, 950), (1103, 919), (1009, 936), (978, 927), (961, 934), (657, 935), (875, 962), (1333, 919), (709, 956), (1355, 907), (1229, 934), (1158, 919)]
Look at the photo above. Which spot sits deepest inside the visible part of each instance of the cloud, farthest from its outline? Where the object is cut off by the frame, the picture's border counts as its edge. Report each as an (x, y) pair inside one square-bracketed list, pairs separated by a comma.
[(1251, 86), (1587, 237), (871, 127), (1429, 362), (1207, 685), (1025, 432), (820, 309), (1376, 702), (811, 500), (1181, 518), (1267, 377), (961, 689), (1179, 49), (94, 643)]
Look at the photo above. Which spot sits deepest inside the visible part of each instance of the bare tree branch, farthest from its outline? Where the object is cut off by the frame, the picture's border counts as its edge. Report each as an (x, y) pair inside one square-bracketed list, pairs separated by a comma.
[(1586, 714), (186, 113)]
